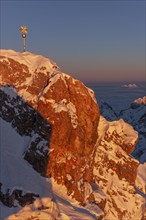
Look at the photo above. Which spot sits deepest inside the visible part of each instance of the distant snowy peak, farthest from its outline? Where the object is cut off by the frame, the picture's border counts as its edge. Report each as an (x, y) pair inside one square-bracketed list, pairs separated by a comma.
[(140, 100), (130, 85)]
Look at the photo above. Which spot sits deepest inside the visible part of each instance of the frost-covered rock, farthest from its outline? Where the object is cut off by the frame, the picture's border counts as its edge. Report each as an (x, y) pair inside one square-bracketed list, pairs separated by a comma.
[(115, 170)]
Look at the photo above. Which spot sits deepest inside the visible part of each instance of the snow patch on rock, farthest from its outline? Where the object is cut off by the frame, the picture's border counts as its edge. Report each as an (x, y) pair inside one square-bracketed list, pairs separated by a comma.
[(67, 107), (141, 178), (32, 61)]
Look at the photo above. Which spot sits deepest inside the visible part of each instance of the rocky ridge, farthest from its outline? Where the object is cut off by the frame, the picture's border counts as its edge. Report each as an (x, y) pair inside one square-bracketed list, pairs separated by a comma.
[(134, 115)]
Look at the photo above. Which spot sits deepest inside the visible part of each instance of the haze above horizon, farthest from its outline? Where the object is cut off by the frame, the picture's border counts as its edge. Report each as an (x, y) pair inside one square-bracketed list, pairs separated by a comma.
[(90, 40)]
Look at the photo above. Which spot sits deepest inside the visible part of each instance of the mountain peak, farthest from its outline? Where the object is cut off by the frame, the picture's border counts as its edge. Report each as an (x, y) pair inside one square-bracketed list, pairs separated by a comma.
[(31, 60), (66, 104)]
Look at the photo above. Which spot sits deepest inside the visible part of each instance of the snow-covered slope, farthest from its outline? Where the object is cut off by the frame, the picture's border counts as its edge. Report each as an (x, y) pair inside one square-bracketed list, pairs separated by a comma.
[(32, 61), (17, 174), (25, 70), (30, 73)]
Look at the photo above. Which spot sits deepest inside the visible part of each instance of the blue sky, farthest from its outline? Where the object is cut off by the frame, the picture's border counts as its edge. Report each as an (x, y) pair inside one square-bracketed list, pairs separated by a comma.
[(90, 40)]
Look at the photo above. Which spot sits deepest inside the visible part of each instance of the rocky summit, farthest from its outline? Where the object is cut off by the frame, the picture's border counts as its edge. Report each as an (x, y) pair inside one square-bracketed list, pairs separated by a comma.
[(60, 158)]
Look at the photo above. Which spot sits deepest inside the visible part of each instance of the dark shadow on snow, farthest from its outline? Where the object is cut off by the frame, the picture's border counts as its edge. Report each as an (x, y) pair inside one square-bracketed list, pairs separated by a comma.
[(27, 122)]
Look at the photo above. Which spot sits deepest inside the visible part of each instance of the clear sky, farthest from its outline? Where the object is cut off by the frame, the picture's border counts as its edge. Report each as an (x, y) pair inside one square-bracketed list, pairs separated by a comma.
[(90, 40)]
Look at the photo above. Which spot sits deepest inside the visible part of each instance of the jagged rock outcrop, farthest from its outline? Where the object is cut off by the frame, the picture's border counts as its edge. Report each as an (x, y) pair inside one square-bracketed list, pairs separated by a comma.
[(68, 106), (115, 171), (75, 132)]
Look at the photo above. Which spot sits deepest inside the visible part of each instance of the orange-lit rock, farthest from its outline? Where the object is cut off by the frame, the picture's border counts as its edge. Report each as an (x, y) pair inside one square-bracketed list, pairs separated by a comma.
[(68, 106)]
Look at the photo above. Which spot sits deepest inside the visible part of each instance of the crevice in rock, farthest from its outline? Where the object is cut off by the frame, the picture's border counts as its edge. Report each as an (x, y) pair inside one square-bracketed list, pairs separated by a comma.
[(45, 86), (39, 160)]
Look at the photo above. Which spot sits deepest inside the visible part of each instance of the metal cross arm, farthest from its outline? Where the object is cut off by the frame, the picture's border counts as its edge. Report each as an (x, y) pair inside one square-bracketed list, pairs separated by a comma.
[(23, 30)]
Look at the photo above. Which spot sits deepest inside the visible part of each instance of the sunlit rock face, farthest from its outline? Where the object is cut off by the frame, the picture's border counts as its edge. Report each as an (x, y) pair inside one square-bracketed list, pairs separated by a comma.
[(69, 108), (74, 115)]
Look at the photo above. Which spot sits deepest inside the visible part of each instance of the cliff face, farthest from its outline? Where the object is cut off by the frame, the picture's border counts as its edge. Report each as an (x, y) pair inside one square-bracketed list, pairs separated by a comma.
[(67, 139), (69, 108)]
